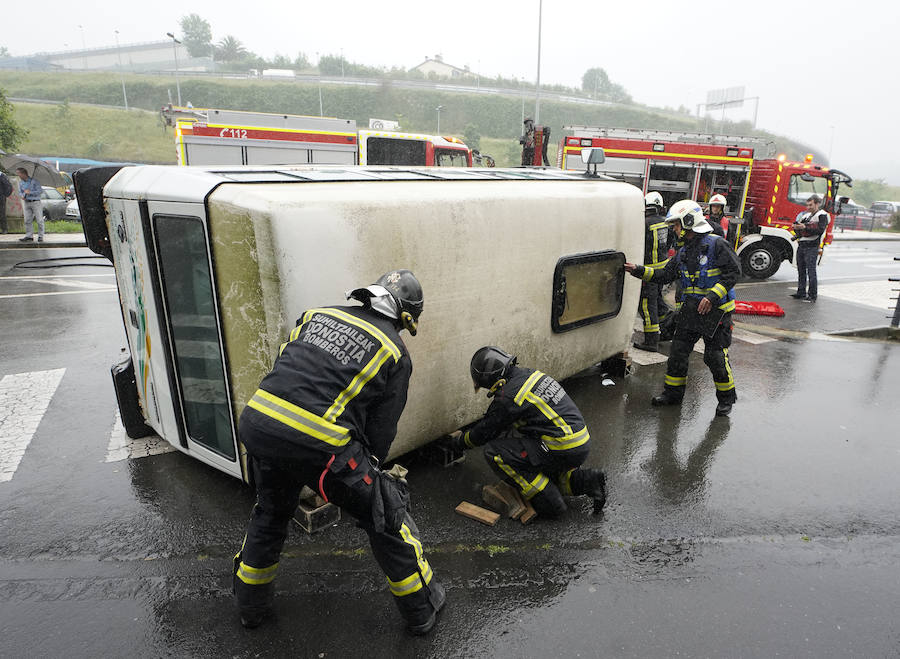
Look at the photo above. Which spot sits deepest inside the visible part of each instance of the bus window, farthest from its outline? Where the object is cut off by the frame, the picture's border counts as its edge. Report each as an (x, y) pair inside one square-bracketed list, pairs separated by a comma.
[(391, 151), (587, 288), (191, 310), (450, 158)]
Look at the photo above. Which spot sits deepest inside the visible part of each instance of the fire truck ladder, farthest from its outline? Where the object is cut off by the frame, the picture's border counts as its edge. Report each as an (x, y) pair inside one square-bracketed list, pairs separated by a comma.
[(765, 148)]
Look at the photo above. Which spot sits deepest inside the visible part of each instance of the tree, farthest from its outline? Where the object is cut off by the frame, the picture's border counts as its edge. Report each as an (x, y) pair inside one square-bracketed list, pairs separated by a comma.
[(197, 35), (11, 133), (331, 65), (230, 49), (472, 136), (4, 52), (301, 62), (595, 82)]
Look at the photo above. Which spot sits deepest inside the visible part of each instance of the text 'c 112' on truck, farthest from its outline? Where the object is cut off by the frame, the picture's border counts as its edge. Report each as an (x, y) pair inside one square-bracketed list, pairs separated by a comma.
[(764, 194)]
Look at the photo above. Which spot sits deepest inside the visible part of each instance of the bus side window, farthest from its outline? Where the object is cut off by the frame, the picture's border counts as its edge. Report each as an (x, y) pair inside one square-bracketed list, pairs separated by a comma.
[(587, 288)]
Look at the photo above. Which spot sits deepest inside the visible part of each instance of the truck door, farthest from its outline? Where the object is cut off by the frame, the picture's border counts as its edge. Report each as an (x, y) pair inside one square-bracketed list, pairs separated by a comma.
[(191, 328)]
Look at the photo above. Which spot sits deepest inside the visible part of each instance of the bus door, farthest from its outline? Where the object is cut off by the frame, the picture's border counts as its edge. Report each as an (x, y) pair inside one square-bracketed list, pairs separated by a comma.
[(178, 242)]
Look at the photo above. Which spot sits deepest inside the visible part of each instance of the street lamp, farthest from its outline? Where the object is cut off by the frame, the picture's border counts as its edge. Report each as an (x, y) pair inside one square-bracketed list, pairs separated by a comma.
[(175, 52), (537, 87), (121, 74), (342, 62), (83, 49), (439, 108)]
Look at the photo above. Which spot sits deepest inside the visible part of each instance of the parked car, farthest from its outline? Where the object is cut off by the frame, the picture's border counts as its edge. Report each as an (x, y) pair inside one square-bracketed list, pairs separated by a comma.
[(72, 212), (53, 203), (885, 207)]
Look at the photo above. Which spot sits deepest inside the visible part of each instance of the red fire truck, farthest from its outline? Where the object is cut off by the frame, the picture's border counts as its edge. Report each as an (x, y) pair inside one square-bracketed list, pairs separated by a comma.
[(230, 137), (764, 193)]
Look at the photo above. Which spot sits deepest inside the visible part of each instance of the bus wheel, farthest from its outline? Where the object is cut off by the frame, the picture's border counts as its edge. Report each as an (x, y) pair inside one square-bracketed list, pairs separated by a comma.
[(760, 260)]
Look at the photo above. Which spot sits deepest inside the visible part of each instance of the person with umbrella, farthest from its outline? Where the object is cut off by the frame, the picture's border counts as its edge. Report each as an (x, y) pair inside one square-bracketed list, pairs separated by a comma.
[(30, 192)]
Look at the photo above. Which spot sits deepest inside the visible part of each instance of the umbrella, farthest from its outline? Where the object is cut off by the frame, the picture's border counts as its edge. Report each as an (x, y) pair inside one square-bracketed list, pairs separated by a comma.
[(44, 172)]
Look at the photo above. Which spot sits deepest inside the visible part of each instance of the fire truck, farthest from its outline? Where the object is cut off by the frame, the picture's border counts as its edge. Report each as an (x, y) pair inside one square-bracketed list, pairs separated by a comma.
[(230, 137), (764, 193)]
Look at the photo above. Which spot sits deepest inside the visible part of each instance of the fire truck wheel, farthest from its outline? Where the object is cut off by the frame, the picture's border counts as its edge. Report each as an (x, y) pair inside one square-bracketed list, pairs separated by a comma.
[(760, 260)]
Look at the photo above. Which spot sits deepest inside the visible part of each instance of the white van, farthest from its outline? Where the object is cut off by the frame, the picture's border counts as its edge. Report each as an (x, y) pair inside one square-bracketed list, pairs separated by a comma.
[(214, 266)]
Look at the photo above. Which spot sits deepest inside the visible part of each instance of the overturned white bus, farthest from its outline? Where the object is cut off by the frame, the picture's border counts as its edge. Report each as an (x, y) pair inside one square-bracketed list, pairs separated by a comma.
[(215, 265)]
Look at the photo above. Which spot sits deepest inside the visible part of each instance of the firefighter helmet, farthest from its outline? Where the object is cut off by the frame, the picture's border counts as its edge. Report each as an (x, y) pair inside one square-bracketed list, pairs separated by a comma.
[(653, 199), (404, 289), (718, 199), (690, 215), (489, 366)]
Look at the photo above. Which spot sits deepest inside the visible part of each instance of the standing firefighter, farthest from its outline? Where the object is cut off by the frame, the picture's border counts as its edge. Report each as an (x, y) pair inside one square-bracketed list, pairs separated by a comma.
[(527, 142), (809, 227), (717, 218), (656, 248), (708, 269), (535, 436), (325, 416)]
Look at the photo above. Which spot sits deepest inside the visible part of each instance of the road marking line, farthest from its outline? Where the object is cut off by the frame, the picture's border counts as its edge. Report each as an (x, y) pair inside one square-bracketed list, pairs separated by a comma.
[(73, 283), (885, 266), (99, 290), (24, 398), (111, 274), (122, 447), (750, 337)]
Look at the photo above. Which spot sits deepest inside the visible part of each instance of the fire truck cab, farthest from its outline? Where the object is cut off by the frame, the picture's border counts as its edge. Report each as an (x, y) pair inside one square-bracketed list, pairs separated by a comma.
[(764, 195)]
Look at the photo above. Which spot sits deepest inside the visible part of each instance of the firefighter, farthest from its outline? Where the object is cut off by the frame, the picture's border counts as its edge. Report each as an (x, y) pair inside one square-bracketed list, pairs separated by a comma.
[(534, 436), (527, 142), (708, 269), (325, 416), (716, 218), (656, 248), (809, 227)]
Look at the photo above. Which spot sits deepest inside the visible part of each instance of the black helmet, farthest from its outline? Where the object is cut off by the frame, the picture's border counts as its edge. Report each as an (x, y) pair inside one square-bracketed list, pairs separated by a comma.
[(489, 366), (407, 292)]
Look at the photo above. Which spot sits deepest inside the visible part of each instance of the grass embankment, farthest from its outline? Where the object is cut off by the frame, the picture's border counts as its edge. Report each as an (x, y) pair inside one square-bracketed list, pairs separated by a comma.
[(81, 131)]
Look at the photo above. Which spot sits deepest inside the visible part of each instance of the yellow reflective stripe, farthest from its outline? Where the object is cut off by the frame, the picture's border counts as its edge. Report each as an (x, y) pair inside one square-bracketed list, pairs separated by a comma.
[(529, 383), (549, 412), (298, 418), (645, 312), (412, 584), (673, 381), (714, 272), (467, 441), (357, 383), (719, 290), (648, 273), (727, 306), (565, 483), (658, 264), (363, 325), (296, 331), (283, 346), (729, 385), (256, 576), (528, 489), (568, 441)]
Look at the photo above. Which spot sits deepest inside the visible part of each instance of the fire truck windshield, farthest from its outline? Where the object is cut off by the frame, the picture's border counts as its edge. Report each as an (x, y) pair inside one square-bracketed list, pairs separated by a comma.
[(450, 158), (804, 185)]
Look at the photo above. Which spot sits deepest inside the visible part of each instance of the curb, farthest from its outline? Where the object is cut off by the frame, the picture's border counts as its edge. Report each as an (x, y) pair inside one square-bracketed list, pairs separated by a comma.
[(37, 245)]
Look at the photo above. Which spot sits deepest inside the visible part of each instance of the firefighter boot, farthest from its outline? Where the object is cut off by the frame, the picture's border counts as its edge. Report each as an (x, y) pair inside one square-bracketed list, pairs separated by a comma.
[(650, 343), (419, 625), (723, 409), (254, 602), (592, 483), (667, 397), (548, 502)]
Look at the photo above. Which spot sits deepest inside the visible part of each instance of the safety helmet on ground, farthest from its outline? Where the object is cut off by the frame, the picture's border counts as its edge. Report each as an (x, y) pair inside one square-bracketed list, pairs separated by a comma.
[(653, 199), (405, 291), (489, 367), (718, 199), (690, 215)]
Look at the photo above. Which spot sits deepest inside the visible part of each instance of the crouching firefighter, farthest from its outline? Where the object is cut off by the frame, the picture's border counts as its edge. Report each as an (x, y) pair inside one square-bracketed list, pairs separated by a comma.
[(325, 416), (708, 270), (656, 248), (534, 436)]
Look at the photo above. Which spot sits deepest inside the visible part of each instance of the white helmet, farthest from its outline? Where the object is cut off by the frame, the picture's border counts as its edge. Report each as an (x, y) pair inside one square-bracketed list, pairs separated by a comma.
[(653, 199), (719, 199), (690, 215)]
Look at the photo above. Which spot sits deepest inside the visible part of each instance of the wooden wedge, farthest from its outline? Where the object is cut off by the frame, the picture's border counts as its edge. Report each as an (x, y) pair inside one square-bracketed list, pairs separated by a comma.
[(477, 513), (511, 494)]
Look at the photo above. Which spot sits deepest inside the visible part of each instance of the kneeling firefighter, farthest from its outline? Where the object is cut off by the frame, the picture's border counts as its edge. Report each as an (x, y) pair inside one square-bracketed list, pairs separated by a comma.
[(708, 269), (325, 416), (534, 436)]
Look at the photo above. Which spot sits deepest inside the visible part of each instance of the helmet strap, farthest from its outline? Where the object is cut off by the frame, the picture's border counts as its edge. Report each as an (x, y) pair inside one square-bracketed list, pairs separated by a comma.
[(409, 323)]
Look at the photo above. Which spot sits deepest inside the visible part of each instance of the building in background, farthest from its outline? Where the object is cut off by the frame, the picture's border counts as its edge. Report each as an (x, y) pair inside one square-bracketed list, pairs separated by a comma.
[(149, 56), (438, 67)]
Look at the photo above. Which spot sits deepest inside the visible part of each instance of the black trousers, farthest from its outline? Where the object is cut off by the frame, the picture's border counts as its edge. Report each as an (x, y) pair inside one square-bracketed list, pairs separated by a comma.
[(806, 268), (3, 226), (278, 483), (715, 356), (652, 306), (541, 475)]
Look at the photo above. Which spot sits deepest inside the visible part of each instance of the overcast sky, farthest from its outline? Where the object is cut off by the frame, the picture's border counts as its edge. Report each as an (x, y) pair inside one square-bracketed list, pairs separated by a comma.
[(826, 72)]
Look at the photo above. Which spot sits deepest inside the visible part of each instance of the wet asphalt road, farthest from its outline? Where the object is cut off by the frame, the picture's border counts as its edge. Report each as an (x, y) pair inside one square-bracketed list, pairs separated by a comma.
[(772, 533)]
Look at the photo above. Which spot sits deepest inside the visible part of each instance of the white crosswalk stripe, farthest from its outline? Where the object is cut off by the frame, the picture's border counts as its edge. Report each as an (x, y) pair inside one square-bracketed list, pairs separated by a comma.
[(122, 447), (24, 398)]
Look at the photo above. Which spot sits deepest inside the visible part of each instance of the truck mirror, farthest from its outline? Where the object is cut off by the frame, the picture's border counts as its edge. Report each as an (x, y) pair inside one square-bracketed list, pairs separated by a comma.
[(593, 156), (806, 176)]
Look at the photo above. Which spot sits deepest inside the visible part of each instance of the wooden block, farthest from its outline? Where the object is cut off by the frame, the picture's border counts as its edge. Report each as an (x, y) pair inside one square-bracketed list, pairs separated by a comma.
[(315, 518), (494, 499), (529, 513), (512, 495), (477, 513)]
